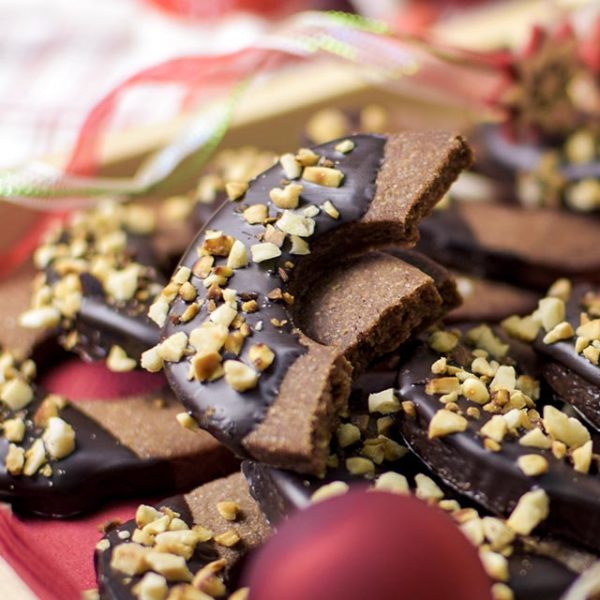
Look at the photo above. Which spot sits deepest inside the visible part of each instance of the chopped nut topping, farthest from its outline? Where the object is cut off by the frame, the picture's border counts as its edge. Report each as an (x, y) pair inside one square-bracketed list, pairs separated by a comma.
[(442, 385), (299, 247), (561, 288), (443, 341), (35, 457), (291, 167), (495, 429), (264, 251), (525, 329), (261, 356), (550, 311), (235, 190), (14, 430), (494, 564), (536, 439), (296, 224), (207, 366), (228, 539), (15, 459), (129, 558), (347, 434), (306, 157), (118, 361), (582, 457), (500, 591), (331, 210), (151, 587), (564, 429), (16, 394), (288, 197), (532, 508), (532, 464), (358, 465), (392, 482), (335, 488), (240, 376), (475, 390), (445, 422), (187, 421), (173, 348), (171, 566), (59, 438), (151, 360), (324, 176), (562, 331), (228, 509), (427, 489), (44, 317), (255, 214), (345, 146), (384, 402)]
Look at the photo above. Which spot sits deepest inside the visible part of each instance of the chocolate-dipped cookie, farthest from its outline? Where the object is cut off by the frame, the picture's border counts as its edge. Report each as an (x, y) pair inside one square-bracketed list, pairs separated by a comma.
[(565, 330), (479, 419), (367, 452), (525, 247), (275, 395), (59, 458), (186, 545), (99, 275)]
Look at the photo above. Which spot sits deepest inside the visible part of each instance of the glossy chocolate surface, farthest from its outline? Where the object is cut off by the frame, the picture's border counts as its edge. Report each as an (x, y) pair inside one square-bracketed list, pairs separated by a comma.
[(228, 414)]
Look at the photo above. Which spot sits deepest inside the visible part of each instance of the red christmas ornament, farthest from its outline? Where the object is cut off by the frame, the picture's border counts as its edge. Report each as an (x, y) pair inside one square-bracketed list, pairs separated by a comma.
[(368, 545)]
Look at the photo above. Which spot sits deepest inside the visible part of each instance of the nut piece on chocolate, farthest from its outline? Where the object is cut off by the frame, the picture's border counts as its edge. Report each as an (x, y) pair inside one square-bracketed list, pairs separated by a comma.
[(59, 458), (184, 545), (373, 195), (565, 330), (515, 440)]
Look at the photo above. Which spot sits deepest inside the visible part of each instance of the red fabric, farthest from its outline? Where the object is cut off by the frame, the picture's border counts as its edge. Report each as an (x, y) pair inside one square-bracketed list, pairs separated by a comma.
[(78, 380), (55, 558)]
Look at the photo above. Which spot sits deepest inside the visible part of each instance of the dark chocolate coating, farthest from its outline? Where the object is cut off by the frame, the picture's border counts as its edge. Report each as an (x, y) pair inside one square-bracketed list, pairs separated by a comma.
[(227, 414), (526, 156), (280, 492), (112, 585), (465, 465), (99, 469), (571, 375)]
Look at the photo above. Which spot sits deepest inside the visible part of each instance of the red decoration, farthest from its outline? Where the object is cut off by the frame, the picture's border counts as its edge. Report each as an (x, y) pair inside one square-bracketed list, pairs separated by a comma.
[(78, 380), (368, 545)]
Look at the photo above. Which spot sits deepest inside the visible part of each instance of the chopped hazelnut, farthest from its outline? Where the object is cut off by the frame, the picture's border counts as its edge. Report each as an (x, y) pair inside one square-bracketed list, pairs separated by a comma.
[(129, 558), (159, 310), (206, 366), (324, 176), (173, 348), (151, 587), (43, 317), (14, 430), (223, 315), (536, 439), (171, 566), (122, 285), (495, 429), (561, 288), (228, 539), (564, 429), (345, 146), (291, 167), (592, 354), (504, 379), (331, 210), (235, 190), (16, 394), (531, 509), (261, 356), (357, 465), (35, 457), (146, 514), (494, 564), (329, 490), (205, 263), (264, 251), (347, 434), (59, 438), (151, 360), (219, 245), (426, 488), (562, 331), (187, 421), (392, 482), (443, 341), (306, 157), (255, 214), (500, 591), (209, 336), (228, 509), (525, 328), (550, 311), (288, 197), (240, 376), (296, 224), (15, 459), (532, 464), (445, 422), (582, 457), (384, 402), (442, 385), (118, 361), (475, 390), (299, 246)]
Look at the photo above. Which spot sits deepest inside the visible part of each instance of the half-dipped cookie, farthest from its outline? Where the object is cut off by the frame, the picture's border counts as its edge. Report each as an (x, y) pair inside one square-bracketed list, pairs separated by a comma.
[(530, 248), (188, 546), (59, 458), (233, 347)]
